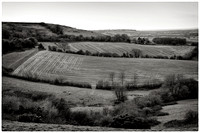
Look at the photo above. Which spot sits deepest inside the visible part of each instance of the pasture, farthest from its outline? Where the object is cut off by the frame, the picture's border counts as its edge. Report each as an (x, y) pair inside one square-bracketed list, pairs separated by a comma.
[(72, 67), (120, 48), (176, 112), (78, 97)]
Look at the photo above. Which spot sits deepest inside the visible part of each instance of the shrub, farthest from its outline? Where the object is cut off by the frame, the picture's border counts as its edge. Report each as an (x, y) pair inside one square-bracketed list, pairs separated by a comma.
[(120, 93), (191, 117), (180, 87), (148, 101), (106, 121), (6, 71), (29, 118), (41, 47), (81, 118), (131, 122), (164, 94)]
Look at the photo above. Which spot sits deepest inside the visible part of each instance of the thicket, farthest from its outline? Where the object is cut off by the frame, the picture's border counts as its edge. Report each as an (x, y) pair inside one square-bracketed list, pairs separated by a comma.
[(18, 44), (41, 107)]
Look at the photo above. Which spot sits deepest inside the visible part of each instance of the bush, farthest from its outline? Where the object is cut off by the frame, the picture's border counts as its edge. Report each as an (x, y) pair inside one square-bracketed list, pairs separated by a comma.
[(191, 117), (164, 94), (81, 118), (106, 121), (120, 93), (180, 87), (41, 47), (29, 118), (148, 101), (131, 122)]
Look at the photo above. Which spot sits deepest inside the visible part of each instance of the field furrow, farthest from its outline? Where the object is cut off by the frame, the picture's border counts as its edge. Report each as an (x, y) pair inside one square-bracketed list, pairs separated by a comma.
[(50, 65)]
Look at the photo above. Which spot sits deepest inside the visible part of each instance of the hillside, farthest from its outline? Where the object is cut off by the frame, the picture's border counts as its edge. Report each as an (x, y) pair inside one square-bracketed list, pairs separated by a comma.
[(40, 30), (51, 65)]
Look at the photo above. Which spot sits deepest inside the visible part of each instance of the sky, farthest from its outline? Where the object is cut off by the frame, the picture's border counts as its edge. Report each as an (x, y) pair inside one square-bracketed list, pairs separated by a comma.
[(99, 16)]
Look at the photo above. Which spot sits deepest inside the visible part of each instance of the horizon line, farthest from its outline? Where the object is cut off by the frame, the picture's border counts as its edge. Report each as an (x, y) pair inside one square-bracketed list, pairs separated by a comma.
[(170, 29)]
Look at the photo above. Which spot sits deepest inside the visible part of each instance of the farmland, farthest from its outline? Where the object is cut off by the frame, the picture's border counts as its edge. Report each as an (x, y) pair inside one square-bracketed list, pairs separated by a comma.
[(120, 48), (15, 59), (71, 67)]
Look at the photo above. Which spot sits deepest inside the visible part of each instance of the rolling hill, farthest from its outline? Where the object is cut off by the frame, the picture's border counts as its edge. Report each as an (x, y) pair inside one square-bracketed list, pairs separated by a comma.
[(43, 29), (72, 67), (120, 48)]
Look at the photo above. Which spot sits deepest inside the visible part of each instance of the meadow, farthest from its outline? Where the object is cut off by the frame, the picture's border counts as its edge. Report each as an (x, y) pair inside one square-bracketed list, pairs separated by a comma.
[(71, 67)]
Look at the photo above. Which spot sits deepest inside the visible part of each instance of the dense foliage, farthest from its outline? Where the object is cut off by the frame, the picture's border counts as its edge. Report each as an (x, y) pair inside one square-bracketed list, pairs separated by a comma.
[(18, 44), (170, 41)]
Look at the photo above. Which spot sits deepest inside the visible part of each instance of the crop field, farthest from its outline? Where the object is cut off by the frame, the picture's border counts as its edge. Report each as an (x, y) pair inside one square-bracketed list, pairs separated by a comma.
[(15, 59), (72, 67), (120, 48)]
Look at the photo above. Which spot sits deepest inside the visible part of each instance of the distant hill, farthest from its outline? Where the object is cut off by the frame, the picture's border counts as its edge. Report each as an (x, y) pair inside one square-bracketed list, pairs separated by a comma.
[(38, 30), (44, 31), (190, 35)]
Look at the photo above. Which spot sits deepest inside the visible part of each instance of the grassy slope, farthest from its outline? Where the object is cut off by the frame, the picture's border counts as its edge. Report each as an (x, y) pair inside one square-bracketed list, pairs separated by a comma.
[(15, 59), (92, 69), (32, 27), (21, 126), (176, 112), (78, 96), (121, 48)]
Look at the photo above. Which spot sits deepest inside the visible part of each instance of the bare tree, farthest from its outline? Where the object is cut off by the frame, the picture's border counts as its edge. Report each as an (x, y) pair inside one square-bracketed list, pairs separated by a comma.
[(112, 77), (65, 46), (135, 79), (122, 77), (120, 93)]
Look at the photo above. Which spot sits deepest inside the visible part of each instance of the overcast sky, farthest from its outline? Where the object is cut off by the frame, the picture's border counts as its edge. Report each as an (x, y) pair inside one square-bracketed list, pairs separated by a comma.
[(95, 16)]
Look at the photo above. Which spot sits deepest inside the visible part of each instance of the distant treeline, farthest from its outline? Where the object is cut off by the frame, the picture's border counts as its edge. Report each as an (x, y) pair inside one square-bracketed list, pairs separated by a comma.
[(170, 41)]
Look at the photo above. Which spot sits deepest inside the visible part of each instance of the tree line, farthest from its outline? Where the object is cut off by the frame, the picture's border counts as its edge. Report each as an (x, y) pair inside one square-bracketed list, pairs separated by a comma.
[(170, 41), (18, 44)]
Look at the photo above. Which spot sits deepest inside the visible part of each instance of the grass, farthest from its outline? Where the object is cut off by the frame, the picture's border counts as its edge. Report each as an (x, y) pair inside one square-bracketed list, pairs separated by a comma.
[(15, 59), (22, 126), (178, 111), (77, 96), (89, 69)]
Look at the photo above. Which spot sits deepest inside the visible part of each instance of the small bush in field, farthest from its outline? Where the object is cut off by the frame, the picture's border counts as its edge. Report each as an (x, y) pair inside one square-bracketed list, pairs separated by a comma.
[(131, 122), (148, 101), (81, 118), (106, 121), (191, 117), (29, 118)]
